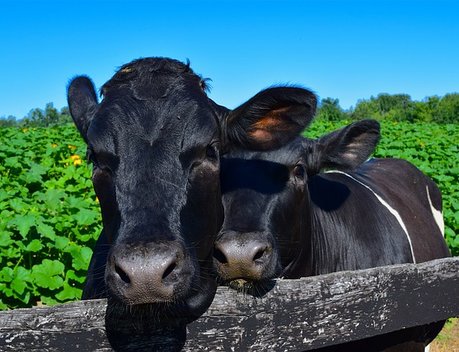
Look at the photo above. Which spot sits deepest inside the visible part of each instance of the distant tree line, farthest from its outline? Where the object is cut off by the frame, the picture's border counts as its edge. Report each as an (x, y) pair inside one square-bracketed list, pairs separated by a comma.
[(394, 107), (49, 116)]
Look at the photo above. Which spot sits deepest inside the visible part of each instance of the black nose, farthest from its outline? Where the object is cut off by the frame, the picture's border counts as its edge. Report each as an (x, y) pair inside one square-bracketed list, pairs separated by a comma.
[(149, 273), (239, 256)]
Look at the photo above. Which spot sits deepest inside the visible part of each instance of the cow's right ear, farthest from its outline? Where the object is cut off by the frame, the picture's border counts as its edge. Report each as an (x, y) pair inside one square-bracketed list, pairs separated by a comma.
[(82, 100), (348, 147), (270, 119)]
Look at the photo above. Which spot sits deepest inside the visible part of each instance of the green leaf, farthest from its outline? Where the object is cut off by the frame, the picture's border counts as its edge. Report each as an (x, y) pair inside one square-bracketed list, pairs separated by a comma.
[(61, 242), (77, 202), (6, 275), (53, 198), (24, 223), (21, 278), (48, 274), (72, 275), (18, 286), (24, 297), (33, 175), (85, 238), (46, 230), (5, 239), (34, 246), (48, 301), (80, 256), (12, 162), (69, 293), (18, 205), (449, 233), (456, 242), (3, 195), (86, 217), (8, 292), (3, 306)]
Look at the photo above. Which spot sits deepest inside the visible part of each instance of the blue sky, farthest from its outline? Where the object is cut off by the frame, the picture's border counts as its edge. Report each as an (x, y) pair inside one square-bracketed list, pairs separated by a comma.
[(343, 49)]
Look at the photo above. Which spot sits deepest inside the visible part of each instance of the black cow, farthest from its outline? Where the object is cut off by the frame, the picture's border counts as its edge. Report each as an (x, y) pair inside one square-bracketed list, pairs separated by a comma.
[(154, 142), (317, 206)]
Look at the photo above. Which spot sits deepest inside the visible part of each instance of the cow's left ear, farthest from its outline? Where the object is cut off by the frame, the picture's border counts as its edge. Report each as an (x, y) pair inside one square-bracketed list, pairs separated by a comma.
[(270, 119), (350, 146), (82, 100)]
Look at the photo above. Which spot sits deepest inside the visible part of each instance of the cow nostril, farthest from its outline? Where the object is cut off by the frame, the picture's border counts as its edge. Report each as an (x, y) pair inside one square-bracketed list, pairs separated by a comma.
[(169, 270), (123, 276), (218, 254), (259, 254)]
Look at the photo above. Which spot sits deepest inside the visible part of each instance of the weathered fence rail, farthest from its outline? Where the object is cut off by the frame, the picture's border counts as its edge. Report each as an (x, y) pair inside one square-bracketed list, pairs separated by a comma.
[(295, 315)]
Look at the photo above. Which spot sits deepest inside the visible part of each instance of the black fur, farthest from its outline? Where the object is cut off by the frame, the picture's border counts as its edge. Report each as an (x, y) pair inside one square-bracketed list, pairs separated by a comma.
[(310, 222)]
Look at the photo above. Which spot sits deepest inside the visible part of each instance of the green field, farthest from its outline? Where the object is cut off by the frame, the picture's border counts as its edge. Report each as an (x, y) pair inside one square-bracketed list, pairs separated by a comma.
[(50, 216)]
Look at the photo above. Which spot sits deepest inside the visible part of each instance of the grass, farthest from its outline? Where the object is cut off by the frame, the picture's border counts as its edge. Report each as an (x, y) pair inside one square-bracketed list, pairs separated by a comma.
[(448, 339)]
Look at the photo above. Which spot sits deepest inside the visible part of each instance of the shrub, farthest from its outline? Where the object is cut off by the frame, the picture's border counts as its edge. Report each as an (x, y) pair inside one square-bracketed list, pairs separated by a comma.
[(49, 216)]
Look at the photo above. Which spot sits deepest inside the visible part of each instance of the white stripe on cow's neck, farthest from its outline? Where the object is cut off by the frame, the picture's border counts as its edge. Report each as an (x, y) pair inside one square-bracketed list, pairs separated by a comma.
[(437, 214), (383, 202)]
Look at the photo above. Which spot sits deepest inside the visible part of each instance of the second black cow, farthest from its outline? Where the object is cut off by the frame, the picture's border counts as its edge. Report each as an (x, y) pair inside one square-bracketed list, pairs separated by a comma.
[(318, 206)]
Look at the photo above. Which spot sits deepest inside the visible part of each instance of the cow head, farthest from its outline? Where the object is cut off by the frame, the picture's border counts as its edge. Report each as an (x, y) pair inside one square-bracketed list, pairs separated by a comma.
[(266, 198), (155, 142)]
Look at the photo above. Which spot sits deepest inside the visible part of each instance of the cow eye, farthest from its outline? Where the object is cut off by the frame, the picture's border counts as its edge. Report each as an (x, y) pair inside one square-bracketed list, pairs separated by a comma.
[(98, 166), (208, 156), (299, 171), (211, 152), (91, 157)]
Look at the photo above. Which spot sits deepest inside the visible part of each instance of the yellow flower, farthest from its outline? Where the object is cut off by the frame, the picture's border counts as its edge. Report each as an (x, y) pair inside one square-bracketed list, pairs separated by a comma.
[(72, 147), (53, 145), (76, 159)]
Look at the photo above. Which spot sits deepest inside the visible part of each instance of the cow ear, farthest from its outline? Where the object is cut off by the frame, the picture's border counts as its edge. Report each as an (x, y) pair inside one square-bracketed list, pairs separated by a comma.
[(270, 119), (350, 146), (82, 100)]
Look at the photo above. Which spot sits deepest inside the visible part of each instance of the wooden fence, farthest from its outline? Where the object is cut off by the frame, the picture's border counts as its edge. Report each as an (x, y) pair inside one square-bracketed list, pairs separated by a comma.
[(296, 315)]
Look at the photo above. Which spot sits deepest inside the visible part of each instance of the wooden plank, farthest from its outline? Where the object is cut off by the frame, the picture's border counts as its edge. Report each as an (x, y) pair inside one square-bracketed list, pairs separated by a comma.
[(295, 315)]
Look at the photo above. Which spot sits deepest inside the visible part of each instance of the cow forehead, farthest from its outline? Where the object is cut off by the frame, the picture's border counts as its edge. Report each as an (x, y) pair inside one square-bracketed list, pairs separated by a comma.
[(266, 172), (174, 123), (150, 98)]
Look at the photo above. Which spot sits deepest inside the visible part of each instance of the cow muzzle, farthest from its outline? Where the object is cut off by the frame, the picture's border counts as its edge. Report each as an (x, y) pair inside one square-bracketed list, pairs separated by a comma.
[(149, 272), (243, 258)]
